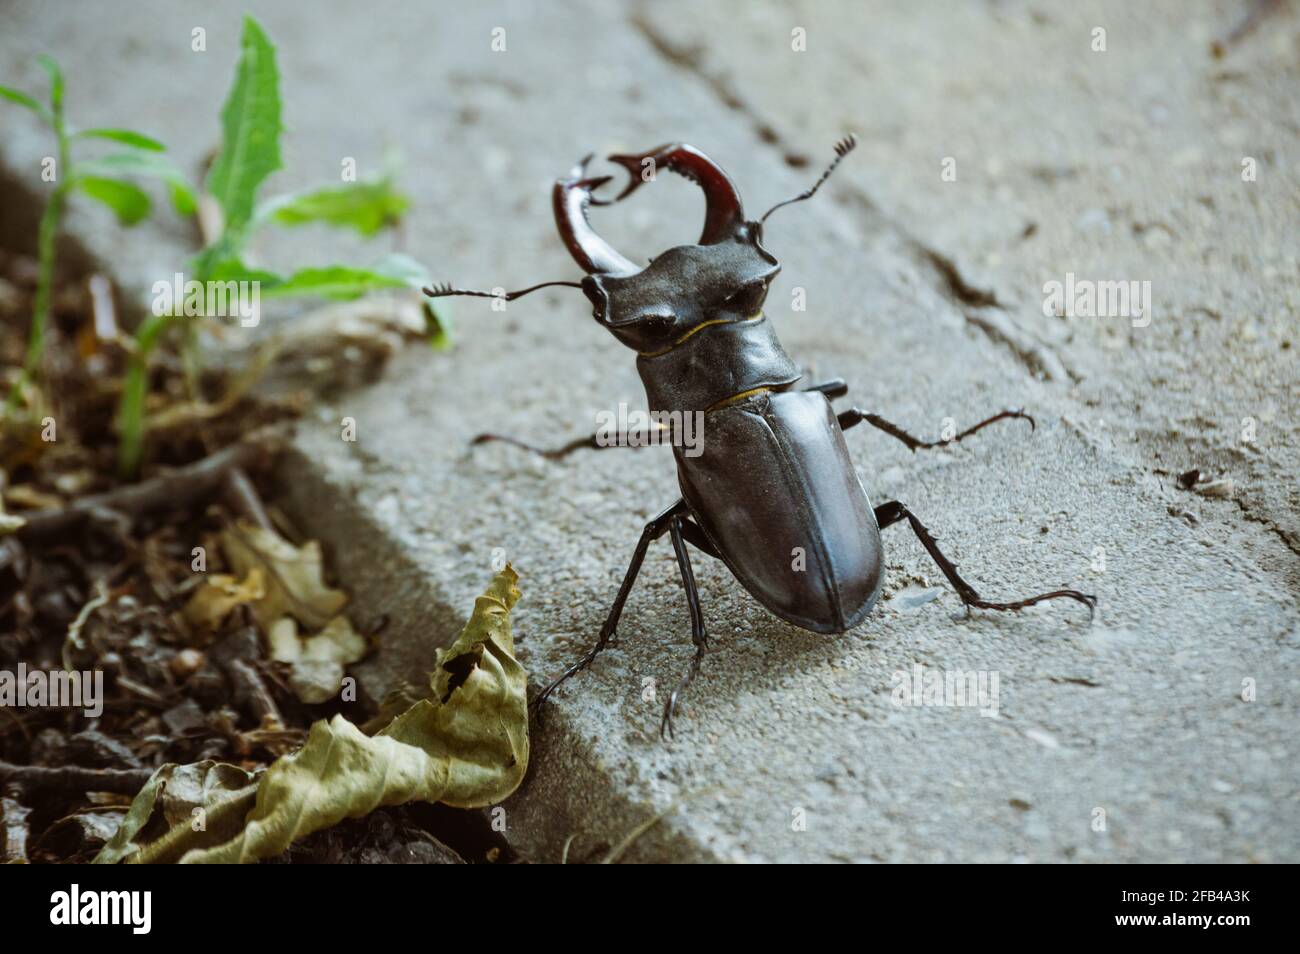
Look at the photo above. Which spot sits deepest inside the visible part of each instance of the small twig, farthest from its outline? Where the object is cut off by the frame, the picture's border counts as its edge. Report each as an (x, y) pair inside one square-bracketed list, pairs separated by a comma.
[(179, 488), (242, 496), (73, 639), (145, 693), (75, 778), (564, 852), (621, 848), (251, 691)]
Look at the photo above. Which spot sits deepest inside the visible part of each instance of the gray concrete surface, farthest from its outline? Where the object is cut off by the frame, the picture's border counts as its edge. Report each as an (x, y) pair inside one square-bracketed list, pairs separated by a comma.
[(1139, 715)]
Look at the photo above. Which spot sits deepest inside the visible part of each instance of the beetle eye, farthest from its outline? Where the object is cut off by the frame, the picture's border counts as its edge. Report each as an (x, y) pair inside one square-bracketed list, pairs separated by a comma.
[(748, 299), (655, 324)]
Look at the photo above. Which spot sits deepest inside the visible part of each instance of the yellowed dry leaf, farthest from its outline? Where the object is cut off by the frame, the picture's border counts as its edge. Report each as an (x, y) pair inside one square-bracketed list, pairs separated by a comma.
[(212, 602), (295, 581), (466, 746)]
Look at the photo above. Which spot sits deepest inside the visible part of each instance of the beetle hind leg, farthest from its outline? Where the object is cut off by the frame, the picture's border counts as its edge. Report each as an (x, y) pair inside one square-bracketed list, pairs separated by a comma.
[(892, 512)]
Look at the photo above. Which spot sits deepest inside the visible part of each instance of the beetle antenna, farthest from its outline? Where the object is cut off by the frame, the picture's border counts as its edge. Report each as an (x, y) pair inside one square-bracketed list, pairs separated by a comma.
[(445, 289), (842, 149)]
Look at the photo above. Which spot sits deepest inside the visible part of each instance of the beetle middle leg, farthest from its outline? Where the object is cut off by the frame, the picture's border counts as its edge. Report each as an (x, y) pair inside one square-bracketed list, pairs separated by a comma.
[(890, 513), (853, 416), (592, 442)]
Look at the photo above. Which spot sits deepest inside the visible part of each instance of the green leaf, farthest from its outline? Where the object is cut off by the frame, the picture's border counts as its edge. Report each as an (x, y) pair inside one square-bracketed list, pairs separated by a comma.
[(336, 281), (56, 82), (250, 120), (405, 269), (438, 326), (129, 202), (345, 281), (182, 197), (364, 206), (22, 99), (234, 270), (124, 136), (465, 744), (145, 164)]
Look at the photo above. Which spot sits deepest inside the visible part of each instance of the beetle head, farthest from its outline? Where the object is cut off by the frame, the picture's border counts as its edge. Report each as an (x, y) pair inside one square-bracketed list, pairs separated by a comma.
[(723, 277)]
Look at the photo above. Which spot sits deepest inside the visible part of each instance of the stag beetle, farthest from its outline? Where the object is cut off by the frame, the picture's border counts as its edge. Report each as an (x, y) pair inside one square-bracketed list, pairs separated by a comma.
[(775, 477)]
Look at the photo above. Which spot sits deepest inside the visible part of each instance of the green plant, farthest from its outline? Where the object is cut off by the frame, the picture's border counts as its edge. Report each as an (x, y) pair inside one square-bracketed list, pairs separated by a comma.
[(107, 179), (250, 151)]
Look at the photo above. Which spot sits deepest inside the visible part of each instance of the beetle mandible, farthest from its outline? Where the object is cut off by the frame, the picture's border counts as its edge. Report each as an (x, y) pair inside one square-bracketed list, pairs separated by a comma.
[(775, 473)]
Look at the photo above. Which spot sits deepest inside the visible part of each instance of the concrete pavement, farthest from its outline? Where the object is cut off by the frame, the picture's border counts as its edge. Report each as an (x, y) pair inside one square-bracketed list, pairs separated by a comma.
[(1124, 740)]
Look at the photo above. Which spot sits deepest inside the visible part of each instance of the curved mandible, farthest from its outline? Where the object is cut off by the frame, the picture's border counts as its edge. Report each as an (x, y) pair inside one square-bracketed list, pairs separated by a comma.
[(570, 198), (723, 209)]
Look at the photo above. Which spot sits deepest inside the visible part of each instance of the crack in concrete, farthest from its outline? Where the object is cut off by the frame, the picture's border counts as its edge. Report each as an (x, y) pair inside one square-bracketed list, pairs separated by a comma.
[(958, 286), (1288, 540), (981, 307)]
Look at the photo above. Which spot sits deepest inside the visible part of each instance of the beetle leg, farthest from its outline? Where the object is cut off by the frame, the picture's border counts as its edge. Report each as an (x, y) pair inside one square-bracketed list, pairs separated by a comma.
[(698, 635), (594, 442), (834, 388), (890, 513), (553, 453), (698, 539), (853, 416), (653, 531)]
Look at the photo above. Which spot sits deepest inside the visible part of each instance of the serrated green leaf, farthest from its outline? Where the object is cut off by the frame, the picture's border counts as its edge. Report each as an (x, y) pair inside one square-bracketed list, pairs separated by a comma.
[(124, 136), (129, 202), (465, 744), (366, 207), (22, 99), (234, 270), (336, 281), (56, 82), (345, 281), (146, 164), (250, 121)]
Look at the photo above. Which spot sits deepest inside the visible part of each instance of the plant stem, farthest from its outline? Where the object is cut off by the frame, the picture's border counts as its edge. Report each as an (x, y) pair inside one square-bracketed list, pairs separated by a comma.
[(135, 388), (46, 249)]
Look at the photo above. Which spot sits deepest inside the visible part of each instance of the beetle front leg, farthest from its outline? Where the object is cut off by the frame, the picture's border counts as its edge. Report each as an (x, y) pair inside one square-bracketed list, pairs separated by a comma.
[(698, 634), (853, 416), (890, 513), (653, 531)]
